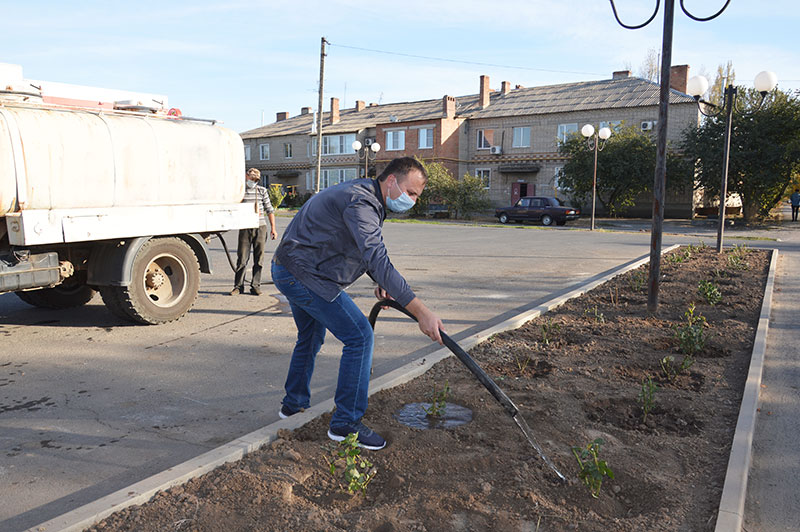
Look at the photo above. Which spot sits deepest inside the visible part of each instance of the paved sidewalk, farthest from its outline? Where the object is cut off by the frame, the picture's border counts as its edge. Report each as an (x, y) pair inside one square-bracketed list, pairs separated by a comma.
[(772, 495)]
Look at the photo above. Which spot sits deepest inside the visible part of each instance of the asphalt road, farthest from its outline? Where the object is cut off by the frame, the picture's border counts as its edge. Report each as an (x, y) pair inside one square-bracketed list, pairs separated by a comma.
[(90, 404)]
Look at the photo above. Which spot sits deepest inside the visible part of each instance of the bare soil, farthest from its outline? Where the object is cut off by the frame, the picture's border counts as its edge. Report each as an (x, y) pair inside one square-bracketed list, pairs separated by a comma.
[(576, 374)]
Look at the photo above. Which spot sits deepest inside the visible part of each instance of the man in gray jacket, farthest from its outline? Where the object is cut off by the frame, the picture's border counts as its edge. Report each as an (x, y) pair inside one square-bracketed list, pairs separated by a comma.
[(331, 242)]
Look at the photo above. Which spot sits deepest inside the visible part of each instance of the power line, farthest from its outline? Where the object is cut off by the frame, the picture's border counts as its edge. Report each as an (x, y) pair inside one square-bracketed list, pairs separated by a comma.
[(464, 62)]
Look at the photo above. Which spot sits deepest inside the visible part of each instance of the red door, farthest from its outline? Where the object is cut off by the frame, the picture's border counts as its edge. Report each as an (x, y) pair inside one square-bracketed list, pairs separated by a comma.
[(520, 190)]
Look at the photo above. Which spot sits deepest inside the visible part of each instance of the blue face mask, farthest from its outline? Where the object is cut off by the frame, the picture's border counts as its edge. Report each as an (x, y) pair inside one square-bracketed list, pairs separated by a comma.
[(401, 204)]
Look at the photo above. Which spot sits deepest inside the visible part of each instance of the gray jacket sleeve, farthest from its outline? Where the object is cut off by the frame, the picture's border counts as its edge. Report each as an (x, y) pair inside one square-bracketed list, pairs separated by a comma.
[(364, 226)]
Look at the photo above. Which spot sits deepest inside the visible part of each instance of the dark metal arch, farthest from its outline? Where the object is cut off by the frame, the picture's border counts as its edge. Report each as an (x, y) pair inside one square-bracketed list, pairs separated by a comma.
[(704, 19), (626, 26)]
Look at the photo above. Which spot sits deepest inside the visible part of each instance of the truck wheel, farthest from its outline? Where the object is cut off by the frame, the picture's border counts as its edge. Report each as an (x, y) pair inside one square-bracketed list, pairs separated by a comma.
[(504, 218), (165, 280), (73, 292)]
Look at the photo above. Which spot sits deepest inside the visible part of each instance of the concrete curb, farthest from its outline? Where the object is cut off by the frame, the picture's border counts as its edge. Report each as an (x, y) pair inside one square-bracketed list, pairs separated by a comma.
[(142, 491), (734, 491)]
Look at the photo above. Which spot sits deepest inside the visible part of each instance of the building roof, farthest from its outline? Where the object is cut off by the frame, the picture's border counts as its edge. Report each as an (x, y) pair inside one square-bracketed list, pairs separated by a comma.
[(570, 97), (562, 98)]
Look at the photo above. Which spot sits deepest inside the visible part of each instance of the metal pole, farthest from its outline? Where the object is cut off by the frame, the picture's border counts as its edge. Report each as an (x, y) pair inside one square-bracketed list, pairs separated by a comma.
[(659, 182), (366, 162), (594, 178), (730, 99), (319, 111)]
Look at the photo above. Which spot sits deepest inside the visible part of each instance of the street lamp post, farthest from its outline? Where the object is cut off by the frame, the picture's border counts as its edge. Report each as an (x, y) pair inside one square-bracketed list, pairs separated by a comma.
[(697, 86), (593, 139), (368, 152)]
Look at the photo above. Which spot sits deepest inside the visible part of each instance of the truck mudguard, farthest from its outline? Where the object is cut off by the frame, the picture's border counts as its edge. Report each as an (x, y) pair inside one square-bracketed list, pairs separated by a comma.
[(111, 263)]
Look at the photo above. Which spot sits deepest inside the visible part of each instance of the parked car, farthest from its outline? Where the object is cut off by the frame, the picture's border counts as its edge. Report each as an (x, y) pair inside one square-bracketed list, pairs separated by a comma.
[(546, 209)]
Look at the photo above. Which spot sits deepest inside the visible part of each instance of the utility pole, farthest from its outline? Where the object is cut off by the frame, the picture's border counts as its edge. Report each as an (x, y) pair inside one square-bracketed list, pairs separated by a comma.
[(659, 185), (319, 110)]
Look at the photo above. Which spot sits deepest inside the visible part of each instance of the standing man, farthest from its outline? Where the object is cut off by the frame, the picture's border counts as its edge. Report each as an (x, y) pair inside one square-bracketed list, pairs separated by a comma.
[(795, 199), (331, 242), (255, 238)]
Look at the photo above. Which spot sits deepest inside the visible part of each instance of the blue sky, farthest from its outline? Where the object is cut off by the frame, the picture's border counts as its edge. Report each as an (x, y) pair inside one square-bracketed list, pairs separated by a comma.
[(238, 61)]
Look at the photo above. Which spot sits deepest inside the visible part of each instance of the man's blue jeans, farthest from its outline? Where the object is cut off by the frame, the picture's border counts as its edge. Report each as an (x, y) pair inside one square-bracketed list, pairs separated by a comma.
[(312, 316)]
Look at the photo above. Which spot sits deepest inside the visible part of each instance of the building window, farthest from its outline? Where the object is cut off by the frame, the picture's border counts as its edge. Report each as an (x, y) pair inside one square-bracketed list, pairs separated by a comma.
[(485, 175), (426, 137), (287, 150), (522, 137), (613, 125), (565, 130), (485, 139), (334, 144), (395, 140), (332, 176), (264, 151), (246, 152)]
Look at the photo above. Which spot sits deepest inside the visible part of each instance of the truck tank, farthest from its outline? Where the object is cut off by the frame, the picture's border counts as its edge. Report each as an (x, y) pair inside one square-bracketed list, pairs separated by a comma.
[(64, 158)]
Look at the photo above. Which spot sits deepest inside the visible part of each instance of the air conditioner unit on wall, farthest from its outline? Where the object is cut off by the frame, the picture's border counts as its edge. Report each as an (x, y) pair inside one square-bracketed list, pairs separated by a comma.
[(496, 150), (647, 126), (368, 141)]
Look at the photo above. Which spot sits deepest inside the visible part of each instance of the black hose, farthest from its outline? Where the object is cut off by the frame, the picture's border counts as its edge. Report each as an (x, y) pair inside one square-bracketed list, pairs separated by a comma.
[(462, 355), (227, 253)]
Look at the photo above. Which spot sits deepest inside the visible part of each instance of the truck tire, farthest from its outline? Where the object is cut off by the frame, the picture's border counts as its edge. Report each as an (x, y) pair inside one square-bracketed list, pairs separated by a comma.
[(164, 283), (73, 292)]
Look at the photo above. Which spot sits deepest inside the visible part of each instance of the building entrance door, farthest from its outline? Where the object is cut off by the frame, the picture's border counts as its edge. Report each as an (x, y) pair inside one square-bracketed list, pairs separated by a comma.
[(520, 190)]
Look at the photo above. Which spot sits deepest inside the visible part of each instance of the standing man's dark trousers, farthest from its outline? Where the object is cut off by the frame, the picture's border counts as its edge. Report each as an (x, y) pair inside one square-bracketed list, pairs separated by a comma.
[(795, 208), (257, 239)]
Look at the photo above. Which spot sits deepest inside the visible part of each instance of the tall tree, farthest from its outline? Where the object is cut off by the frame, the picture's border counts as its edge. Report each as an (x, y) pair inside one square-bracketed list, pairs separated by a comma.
[(651, 65), (726, 75), (625, 169), (764, 157)]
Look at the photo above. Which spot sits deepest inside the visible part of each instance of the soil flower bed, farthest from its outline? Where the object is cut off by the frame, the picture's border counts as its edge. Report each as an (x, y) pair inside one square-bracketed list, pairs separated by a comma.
[(577, 374)]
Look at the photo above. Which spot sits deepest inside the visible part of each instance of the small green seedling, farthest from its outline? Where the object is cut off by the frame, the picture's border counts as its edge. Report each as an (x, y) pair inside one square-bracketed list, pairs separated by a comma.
[(614, 293), (357, 471), (737, 262), (710, 292), (549, 330), (719, 273), (438, 401), (595, 314), (673, 258), (690, 335), (647, 396), (671, 370), (522, 362), (638, 280), (592, 469)]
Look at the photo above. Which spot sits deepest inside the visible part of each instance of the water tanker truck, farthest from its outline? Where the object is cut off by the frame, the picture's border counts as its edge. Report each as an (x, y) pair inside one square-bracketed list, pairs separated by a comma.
[(120, 202)]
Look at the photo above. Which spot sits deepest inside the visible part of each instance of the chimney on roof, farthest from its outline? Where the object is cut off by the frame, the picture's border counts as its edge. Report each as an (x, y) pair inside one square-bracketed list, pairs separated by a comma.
[(484, 92), (359, 105), (448, 107), (305, 110), (280, 117), (334, 110), (505, 87), (621, 74), (373, 104), (519, 87), (678, 75)]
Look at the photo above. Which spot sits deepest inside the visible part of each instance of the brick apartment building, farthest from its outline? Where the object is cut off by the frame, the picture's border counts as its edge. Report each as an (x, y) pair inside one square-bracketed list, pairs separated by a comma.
[(509, 137)]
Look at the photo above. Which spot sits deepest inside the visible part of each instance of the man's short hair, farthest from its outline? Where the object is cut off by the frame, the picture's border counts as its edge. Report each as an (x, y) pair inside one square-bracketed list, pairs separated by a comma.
[(401, 167), (254, 173)]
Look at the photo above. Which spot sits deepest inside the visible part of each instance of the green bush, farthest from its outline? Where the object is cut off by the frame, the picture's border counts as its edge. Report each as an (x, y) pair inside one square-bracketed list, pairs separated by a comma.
[(276, 194)]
